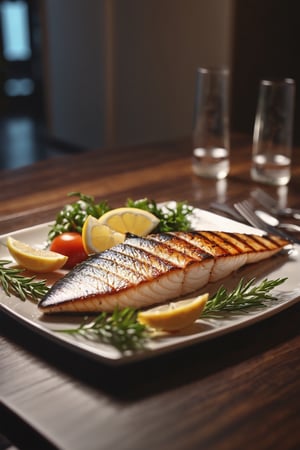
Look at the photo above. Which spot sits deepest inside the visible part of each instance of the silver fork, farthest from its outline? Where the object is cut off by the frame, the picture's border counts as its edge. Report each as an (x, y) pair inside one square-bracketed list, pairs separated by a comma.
[(245, 209), (270, 204)]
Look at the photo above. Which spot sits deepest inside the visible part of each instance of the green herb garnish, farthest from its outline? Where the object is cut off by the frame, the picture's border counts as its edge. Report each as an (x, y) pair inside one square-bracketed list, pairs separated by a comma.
[(14, 283), (120, 329), (171, 219), (243, 296), (73, 216)]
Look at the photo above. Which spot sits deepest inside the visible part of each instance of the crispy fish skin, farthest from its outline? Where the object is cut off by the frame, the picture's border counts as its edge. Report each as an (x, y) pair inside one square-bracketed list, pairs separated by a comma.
[(146, 271), (241, 248)]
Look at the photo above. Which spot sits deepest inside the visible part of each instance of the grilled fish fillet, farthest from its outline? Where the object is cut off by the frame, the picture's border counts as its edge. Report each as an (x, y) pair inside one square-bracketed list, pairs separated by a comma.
[(145, 271)]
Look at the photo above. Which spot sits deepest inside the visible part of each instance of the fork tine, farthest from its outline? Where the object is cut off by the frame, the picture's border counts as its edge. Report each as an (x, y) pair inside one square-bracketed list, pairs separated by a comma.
[(228, 210), (245, 209), (264, 198), (270, 204)]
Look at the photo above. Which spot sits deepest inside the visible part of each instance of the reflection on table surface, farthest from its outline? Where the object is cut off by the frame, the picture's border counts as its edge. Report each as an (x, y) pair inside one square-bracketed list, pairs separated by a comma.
[(207, 395)]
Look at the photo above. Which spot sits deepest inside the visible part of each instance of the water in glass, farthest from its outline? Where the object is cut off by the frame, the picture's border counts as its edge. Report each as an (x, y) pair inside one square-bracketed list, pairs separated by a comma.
[(271, 169), (211, 163)]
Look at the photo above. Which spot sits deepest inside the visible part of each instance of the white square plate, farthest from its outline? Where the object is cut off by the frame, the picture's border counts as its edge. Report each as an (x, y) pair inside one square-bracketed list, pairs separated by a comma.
[(285, 264)]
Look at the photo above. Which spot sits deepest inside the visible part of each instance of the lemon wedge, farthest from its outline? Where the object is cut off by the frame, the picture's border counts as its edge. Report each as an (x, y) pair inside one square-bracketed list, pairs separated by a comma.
[(130, 220), (174, 316), (97, 237), (35, 260)]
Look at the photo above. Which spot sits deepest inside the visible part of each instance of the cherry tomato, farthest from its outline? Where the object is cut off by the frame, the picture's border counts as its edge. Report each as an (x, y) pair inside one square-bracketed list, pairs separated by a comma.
[(70, 245)]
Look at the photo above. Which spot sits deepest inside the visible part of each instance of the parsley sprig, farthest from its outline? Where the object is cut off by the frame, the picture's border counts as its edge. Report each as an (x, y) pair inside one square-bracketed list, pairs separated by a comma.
[(73, 215), (171, 219), (14, 283)]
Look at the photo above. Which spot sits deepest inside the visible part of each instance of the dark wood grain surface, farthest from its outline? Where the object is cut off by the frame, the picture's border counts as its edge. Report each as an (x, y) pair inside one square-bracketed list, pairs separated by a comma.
[(237, 391)]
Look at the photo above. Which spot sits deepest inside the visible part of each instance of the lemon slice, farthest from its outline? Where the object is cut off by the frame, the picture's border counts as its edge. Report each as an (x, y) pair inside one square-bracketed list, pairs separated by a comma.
[(97, 237), (36, 260), (130, 220), (174, 316)]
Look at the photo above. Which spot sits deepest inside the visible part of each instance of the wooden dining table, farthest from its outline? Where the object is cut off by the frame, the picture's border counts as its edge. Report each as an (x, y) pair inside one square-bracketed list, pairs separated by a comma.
[(240, 390)]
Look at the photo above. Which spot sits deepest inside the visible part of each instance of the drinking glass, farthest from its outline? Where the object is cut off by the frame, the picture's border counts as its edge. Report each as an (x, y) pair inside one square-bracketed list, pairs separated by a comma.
[(273, 130), (211, 124)]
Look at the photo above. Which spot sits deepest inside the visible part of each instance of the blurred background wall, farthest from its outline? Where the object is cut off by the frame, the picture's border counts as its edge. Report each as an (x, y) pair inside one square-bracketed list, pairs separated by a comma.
[(94, 73), (123, 72), (265, 45)]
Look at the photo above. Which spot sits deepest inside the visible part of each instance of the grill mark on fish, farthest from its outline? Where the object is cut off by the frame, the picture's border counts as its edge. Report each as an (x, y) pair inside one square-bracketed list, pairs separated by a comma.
[(146, 271), (228, 257), (146, 268), (217, 243), (144, 257), (196, 263), (166, 252), (141, 266), (92, 278), (201, 242), (181, 245), (112, 268), (261, 246), (235, 242)]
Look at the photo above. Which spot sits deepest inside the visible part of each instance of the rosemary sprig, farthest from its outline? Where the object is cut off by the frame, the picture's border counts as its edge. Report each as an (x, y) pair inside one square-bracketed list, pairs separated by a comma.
[(14, 283), (120, 329), (243, 296), (171, 219)]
